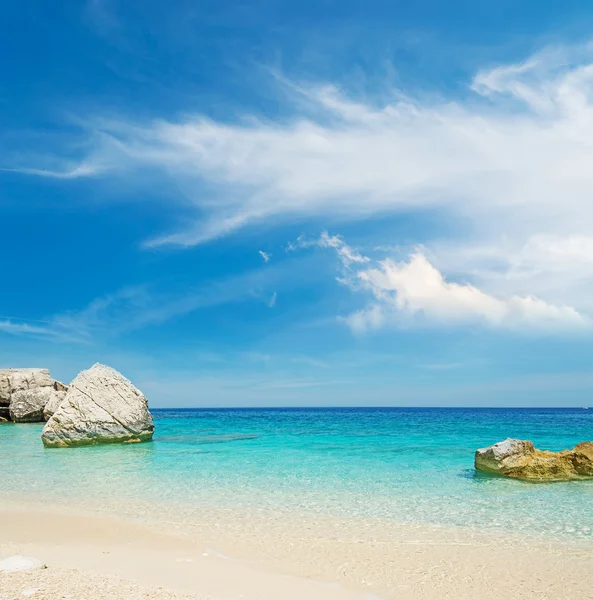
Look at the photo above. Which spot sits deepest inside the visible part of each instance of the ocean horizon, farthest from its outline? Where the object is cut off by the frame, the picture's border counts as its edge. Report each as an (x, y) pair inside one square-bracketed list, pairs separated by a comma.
[(361, 407)]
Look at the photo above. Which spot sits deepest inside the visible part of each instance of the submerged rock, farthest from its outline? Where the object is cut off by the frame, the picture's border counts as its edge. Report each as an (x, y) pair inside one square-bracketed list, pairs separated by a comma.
[(23, 389), (520, 459), (100, 407)]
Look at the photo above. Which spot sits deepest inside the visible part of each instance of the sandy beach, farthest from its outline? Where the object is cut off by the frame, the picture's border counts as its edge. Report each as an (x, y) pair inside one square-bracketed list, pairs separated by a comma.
[(228, 556)]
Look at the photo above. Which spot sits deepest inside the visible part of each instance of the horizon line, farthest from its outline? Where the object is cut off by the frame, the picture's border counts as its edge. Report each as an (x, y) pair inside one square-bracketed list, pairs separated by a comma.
[(361, 406)]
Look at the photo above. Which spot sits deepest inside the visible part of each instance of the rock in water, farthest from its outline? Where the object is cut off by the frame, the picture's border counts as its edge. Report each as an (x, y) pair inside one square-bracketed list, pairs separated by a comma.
[(520, 459), (15, 381), (504, 457), (100, 407)]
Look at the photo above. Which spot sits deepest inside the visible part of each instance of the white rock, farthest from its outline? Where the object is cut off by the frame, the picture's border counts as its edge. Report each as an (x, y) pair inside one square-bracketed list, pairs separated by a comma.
[(100, 407), (13, 564), (27, 406), (16, 382), (53, 404)]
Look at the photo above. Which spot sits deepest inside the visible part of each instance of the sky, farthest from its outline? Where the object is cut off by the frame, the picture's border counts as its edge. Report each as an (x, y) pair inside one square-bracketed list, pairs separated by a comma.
[(262, 203)]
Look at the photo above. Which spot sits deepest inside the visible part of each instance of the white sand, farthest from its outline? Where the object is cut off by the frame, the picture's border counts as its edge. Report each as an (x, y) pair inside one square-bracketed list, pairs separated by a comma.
[(228, 556)]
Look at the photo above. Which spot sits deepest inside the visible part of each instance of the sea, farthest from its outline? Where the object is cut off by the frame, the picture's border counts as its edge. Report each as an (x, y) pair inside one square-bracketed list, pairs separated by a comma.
[(407, 465)]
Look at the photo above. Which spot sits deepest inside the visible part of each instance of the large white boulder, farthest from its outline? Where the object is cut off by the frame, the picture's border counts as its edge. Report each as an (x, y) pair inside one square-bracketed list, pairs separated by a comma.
[(100, 407)]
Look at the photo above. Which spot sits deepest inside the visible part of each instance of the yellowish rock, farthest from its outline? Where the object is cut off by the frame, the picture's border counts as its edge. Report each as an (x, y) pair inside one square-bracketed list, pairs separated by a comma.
[(521, 460)]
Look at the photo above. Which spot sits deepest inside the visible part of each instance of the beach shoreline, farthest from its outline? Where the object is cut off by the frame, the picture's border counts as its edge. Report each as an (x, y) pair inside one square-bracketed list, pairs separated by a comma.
[(228, 554)]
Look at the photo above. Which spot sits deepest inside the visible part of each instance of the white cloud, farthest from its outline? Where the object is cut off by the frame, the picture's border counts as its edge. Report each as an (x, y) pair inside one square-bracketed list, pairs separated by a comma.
[(515, 156), (75, 172), (51, 330), (557, 267), (127, 309), (414, 291), (509, 163), (371, 318), (272, 300), (22, 328), (416, 287), (265, 255), (346, 253)]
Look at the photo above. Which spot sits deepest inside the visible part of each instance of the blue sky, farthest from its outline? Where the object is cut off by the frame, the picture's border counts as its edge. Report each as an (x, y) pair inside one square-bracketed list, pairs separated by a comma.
[(313, 203)]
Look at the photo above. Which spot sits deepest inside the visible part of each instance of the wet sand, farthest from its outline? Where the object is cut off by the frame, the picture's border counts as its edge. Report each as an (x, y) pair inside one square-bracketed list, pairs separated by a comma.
[(227, 555)]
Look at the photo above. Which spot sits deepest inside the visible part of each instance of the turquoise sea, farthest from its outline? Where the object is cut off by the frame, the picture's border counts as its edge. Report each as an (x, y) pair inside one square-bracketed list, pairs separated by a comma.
[(401, 464)]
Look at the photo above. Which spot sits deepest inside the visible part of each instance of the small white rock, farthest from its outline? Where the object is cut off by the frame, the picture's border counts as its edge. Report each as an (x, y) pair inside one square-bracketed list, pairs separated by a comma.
[(13, 564)]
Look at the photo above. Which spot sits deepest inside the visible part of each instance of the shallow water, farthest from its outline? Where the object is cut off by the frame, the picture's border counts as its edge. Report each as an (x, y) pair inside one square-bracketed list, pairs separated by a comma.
[(410, 465)]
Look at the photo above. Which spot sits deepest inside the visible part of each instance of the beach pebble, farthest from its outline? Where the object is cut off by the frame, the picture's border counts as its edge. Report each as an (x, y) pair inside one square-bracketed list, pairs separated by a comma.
[(20, 563)]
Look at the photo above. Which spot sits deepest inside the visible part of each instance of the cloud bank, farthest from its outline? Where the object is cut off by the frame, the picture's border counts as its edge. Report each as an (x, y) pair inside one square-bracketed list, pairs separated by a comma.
[(509, 162), (516, 151), (413, 291)]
